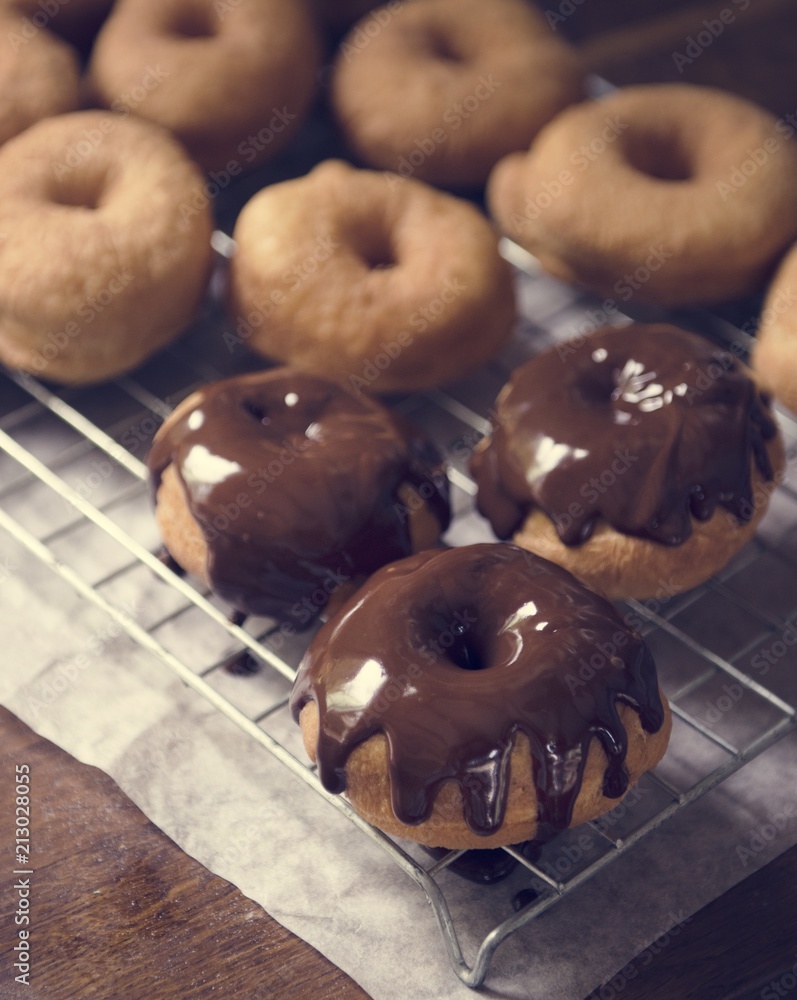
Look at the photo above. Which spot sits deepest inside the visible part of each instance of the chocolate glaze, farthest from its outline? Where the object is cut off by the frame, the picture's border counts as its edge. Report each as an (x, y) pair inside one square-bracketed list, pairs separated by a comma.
[(523, 899), (644, 427), (163, 555), (514, 658), (242, 664), (293, 481)]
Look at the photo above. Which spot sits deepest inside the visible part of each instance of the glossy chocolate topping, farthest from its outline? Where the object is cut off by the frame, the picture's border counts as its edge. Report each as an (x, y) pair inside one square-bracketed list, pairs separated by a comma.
[(293, 481), (645, 427), (452, 653)]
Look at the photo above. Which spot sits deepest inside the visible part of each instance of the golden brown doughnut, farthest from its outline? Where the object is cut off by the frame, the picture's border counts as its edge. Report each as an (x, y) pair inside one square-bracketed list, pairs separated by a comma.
[(233, 79), (380, 282), (774, 355), (479, 697), (442, 89), (668, 193), (279, 489), (38, 76), (641, 459), (99, 267)]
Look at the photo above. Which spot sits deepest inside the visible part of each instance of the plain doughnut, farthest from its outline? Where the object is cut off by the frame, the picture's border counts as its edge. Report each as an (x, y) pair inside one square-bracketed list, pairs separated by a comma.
[(233, 79), (380, 282), (99, 266), (447, 700), (667, 193), (442, 89), (38, 77)]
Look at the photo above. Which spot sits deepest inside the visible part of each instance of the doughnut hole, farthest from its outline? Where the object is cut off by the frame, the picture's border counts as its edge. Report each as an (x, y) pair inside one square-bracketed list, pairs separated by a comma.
[(256, 411), (445, 47), (659, 154), (280, 418), (374, 245), (86, 189), (596, 389), (458, 634), (191, 22), (465, 652)]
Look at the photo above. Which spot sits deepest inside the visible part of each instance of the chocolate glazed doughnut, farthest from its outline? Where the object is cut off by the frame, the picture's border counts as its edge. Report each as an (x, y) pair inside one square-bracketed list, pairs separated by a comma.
[(448, 700), (635, 457), (280, 486)]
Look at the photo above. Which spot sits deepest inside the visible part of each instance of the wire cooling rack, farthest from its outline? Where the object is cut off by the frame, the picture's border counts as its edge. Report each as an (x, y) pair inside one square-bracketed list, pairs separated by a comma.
[(73, 491)]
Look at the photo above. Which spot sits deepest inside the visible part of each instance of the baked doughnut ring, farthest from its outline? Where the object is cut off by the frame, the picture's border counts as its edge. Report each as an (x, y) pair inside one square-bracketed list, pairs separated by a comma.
[(233, 79), (99, 266), (669, 193), (774, 355), (38, 76), (380, 282), (639, 458), (445, 88), (449, 700), (277, 487)]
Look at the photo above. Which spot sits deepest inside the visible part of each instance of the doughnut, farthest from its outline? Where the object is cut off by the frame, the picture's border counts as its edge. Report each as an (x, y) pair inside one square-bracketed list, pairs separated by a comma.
[(668, 193), (233, 79), (39, 76), (370, 279), (478, 697), (99, 266), (278, 489), (775, 352), (639, 458), (442, 89)]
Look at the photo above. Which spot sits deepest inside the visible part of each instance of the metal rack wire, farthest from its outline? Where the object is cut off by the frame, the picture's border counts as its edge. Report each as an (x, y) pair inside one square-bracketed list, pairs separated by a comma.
[(111, 426)]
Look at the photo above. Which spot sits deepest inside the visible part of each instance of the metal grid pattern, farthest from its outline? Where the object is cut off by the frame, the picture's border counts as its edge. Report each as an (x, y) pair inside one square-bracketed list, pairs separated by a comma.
[(73, 491)]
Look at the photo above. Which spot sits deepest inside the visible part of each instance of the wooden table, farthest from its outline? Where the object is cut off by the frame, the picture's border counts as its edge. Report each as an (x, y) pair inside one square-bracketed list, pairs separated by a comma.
[(119, 911)]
